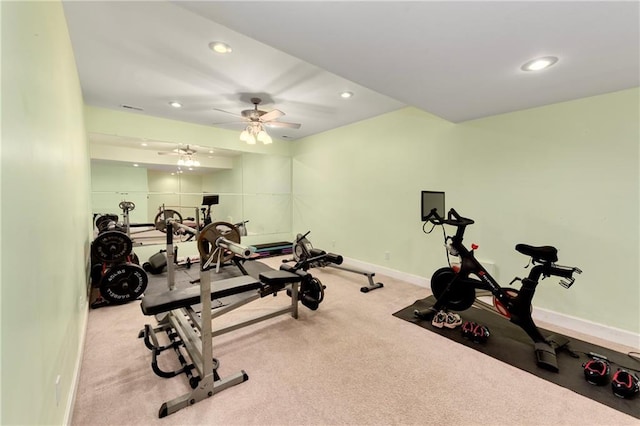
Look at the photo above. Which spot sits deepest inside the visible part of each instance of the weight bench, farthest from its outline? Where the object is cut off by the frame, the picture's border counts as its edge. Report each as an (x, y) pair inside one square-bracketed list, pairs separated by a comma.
[(176, 299), (186, 328)]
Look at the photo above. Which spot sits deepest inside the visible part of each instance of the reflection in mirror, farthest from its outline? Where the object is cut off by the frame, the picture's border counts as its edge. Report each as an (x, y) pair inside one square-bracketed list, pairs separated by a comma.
[(251, 187)]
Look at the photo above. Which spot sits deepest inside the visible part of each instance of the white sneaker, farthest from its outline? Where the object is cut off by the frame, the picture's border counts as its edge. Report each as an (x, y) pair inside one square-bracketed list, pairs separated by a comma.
[(452, 320), (439, 319)]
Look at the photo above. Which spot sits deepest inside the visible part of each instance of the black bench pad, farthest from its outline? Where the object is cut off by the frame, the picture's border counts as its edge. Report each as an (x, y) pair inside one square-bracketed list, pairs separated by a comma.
[(163, 302), (279, 278)]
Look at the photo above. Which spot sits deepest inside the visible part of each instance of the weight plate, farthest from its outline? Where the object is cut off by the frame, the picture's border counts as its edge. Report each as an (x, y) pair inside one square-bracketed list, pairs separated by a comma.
[(208, 237), (161, 219), (102, 221), (111, 246), (123, 283), (311, 293), (127, 205)]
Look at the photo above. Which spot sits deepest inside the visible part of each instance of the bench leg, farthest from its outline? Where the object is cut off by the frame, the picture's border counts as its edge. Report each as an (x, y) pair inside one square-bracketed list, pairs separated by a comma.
[(206, 388)]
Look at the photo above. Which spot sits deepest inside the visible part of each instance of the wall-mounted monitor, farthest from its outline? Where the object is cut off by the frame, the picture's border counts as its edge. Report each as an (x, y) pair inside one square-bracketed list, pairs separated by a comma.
[(432, 200), (208, 200)]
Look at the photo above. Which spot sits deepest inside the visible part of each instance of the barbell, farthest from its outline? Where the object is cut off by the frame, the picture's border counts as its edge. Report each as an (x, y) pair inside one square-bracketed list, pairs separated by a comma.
[(221, 240)]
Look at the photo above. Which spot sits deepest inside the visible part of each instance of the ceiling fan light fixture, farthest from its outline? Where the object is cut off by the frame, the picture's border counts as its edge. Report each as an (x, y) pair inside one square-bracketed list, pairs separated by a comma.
[(264, 137), (220, 47), (539, 63)]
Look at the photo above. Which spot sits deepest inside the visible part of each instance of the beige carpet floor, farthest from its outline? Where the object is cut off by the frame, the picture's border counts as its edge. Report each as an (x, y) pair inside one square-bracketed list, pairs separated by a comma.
[(351, 362)]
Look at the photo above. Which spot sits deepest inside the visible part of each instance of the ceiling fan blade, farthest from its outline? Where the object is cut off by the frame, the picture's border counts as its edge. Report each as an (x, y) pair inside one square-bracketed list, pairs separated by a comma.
[(271, 115), (231, 122), (282, 124), (227, 112)]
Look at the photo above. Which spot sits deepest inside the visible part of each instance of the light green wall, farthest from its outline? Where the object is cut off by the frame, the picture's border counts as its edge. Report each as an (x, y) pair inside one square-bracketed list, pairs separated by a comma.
[(46, 223), (228, 185), (564, 175), (111, 184), (267, 194)]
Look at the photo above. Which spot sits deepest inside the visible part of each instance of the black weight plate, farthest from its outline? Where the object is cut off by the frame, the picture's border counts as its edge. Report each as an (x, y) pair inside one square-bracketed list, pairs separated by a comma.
[(460, 297), (123, 283), (102, 222), (161, 219), (111, 246), (311, 293)]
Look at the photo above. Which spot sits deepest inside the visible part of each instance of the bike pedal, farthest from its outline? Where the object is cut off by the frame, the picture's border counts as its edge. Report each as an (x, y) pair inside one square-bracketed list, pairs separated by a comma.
[(568, 283)]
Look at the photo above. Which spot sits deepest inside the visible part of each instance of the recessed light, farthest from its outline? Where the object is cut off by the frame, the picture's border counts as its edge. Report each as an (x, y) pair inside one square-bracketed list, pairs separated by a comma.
[(539, 63), (143, 144), (135, 165), (346, 95), (210, 151), (175, 104), (220, 47)]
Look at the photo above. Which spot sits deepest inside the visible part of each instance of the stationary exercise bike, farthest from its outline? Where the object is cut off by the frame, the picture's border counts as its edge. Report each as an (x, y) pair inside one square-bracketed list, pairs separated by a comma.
[(455, 288)]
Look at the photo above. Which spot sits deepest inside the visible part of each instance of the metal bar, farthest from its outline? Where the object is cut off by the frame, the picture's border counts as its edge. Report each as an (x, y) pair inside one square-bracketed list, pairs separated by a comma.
[(206, 388), (205, 330), (234, 247), (191, 340), (170, 266), (252, 321), (194, 317), (254, 295)]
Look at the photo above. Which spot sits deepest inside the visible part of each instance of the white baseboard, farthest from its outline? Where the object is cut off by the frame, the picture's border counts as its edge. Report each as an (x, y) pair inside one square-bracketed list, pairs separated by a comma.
[(370, 267), (569, 322), (71, 401), (587, 327)]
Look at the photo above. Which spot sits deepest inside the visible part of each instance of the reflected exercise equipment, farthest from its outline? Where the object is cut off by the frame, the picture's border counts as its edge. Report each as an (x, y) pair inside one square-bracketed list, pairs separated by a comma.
[(115, 272)]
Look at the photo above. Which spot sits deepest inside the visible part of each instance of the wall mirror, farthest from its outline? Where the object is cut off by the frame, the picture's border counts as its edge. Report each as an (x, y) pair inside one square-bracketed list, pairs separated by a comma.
[(251, 187)]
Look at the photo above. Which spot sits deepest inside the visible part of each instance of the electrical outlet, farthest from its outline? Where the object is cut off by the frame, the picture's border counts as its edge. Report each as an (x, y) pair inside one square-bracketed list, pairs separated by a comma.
[(387, 255), (57, 390)]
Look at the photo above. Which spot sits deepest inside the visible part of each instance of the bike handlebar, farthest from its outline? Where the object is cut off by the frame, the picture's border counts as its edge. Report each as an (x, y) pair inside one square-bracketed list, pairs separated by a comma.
[(453, 218)]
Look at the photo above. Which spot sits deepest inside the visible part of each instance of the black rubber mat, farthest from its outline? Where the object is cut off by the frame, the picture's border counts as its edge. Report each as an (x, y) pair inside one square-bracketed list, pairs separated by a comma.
[(510, 344)]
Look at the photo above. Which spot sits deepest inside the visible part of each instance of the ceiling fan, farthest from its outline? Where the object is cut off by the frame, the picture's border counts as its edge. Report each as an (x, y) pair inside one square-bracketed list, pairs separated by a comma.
[(256, 119), (186, 155)]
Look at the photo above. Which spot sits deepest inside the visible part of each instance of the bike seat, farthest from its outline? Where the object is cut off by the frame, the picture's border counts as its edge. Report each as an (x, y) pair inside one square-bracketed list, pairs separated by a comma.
[(545, 253)]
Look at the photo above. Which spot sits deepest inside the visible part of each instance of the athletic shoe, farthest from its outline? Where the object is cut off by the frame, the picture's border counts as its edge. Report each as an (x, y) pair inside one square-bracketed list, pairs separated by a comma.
[(475, 332), (596, 371), (453, 320), (439, 319), (480, 333), (467, 329), (625, 384)]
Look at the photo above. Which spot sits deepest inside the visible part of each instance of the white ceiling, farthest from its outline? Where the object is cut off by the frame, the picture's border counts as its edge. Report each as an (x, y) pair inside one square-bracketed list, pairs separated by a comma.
[(456, 60)]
